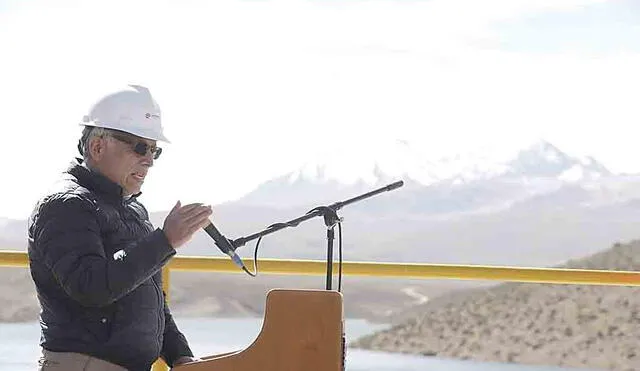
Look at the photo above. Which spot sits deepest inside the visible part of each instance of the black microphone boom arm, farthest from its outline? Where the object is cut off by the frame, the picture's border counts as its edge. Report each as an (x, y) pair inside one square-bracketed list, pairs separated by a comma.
[(228, 246), (322, 210)]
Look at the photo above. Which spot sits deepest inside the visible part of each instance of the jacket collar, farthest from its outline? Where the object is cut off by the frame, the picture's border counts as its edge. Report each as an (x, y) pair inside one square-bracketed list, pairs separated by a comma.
[(97, 182)]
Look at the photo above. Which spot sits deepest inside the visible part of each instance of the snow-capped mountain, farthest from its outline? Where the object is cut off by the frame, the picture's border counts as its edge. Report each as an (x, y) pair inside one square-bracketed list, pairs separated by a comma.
[(482, 178), (536, 206), (545, 160)]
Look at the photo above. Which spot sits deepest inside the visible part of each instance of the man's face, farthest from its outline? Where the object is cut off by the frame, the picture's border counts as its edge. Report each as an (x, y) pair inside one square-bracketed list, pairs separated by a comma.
[(119, 161)]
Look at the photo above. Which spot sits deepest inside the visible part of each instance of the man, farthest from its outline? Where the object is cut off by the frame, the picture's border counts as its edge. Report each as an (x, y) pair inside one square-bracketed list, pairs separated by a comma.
[(94, 256)]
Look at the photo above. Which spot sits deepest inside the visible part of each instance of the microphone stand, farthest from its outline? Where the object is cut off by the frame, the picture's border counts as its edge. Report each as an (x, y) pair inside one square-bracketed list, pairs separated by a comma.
[(331, 218)]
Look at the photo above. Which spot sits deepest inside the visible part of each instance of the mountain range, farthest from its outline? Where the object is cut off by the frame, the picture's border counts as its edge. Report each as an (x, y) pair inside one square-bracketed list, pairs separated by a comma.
[(535, 206), (348, 171)]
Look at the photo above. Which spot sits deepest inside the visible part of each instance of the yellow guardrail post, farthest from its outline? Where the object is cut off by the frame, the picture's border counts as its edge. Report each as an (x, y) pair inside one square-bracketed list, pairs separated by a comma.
[(161, 365)]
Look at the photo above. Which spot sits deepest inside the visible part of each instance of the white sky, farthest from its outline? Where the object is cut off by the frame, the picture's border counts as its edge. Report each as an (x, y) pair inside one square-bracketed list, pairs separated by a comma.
[(249, 89)]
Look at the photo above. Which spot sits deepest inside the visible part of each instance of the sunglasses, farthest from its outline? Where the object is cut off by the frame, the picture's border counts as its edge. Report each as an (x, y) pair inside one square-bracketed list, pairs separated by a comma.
[(138, 147)]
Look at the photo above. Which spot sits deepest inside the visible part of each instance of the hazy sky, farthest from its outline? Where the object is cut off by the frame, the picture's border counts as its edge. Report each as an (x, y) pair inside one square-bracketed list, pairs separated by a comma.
[(248, 89)]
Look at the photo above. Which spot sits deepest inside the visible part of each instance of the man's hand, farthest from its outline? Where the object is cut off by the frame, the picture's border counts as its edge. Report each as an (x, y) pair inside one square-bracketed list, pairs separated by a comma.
[(183, 221)]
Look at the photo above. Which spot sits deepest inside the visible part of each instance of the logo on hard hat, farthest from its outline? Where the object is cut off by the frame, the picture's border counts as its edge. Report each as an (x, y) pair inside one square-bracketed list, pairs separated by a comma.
[(149, 115)]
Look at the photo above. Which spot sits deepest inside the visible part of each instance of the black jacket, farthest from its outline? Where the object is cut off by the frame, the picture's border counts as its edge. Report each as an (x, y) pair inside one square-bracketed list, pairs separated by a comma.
[(96, 262)]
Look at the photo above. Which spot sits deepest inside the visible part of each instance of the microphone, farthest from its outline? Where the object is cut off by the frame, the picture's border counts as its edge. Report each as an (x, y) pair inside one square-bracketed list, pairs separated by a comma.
[(223, 244)]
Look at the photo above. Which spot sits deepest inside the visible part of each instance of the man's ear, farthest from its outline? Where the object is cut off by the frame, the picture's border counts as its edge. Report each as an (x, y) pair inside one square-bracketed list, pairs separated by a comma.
[(97, 147)]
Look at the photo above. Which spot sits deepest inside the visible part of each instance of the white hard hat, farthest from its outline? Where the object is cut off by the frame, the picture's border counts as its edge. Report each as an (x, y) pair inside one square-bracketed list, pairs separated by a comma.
[(132, 110)]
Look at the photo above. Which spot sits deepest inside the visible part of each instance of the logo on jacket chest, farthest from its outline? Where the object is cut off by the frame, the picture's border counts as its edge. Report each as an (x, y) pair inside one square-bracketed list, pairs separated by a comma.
[(119, 255)]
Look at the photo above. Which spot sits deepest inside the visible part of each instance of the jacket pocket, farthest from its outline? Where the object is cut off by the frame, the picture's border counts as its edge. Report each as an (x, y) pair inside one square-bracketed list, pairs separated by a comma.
[(98, 325)]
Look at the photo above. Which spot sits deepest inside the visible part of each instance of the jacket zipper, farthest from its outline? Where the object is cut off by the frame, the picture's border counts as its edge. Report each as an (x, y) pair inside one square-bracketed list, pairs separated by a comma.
[(134, 215), (160, 313)]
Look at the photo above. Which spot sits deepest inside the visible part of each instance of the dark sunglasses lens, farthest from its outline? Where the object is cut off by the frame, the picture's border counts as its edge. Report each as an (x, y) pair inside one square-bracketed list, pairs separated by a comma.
[(142, 149)]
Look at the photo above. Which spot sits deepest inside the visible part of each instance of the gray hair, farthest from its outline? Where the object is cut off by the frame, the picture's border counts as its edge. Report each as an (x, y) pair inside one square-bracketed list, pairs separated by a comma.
[(88, 133)]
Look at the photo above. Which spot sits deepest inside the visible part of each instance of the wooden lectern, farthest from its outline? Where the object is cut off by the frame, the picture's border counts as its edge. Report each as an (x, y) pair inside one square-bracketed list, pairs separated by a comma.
[(303, 330)]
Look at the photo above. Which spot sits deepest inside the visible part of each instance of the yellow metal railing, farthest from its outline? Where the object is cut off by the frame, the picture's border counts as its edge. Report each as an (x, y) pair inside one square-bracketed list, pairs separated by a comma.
[(396, 270)]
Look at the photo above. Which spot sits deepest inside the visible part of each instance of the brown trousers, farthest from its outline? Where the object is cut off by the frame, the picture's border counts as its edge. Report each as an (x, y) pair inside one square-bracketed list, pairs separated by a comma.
[(59, 361)]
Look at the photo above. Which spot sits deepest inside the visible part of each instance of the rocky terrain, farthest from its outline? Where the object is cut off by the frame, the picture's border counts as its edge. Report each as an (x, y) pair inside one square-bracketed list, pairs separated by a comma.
[(528, 323)]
